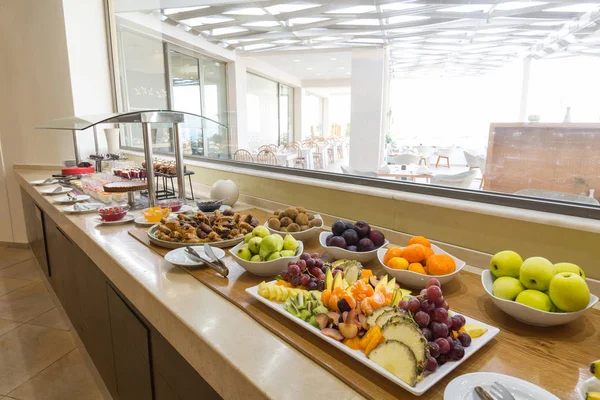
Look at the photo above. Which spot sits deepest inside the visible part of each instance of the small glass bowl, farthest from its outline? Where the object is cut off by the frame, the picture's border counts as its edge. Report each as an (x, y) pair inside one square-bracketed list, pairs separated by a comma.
[(174, 205), (112, 214), (156, 214)]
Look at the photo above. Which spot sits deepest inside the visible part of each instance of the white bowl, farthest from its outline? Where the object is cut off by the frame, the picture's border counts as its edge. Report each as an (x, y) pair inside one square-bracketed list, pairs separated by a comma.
[(304, 235), (266, 268), (529, 315), (339, 253), (590, 385), (414, 279)]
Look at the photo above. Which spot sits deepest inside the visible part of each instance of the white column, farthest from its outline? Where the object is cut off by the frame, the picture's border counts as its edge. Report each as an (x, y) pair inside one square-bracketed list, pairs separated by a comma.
[(326, 127), (298, 94), (367, 138), (236, 90), (524, 89)]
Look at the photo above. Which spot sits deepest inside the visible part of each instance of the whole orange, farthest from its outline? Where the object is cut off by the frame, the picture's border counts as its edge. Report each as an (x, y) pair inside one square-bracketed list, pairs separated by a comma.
[(414, 253), (428, 252), (417, 267), (398, 263), (419, 240), (440, 264), (391, 253)]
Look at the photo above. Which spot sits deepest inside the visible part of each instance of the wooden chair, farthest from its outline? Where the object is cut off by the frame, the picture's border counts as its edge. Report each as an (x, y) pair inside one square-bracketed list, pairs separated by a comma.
[(273, 147), (300, 162), (444, 153), (266, 157), (243, 155), (317, 156), (263, 147)]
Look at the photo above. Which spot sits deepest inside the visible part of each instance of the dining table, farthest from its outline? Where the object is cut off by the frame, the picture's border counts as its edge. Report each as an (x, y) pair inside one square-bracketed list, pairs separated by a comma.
[(410, 173)]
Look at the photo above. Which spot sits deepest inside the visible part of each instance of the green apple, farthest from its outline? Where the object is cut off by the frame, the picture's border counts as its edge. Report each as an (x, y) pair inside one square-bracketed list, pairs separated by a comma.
[(506, 263), (254, 244), (248, 236), (256, 258), (290, 243), (243, 253), (507, 287), (288, 253), (274, 256), (569, 291), (269, 244), (261, 231), (568, 267), (536, 273), (534, 299)]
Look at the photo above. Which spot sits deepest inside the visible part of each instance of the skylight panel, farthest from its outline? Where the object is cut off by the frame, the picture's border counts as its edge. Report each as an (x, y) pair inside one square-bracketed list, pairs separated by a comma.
[(495, 30), (353, 10), (468, 8), (264, 24), (400, 6), (258, 46), (548, 23), (410, 38), (583, 7), (291, 7), (303, 21), (488, 38), (366, 21), (246, 11), (371, 41), (404, 18), (328, 38), (227, 31), (205, 20), (515, 5), (286, 41), (170, 11), (453, 33), (443, 40)]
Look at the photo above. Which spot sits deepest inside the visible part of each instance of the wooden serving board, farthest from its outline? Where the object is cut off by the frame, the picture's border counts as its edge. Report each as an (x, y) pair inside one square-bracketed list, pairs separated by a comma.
[(519, 350)]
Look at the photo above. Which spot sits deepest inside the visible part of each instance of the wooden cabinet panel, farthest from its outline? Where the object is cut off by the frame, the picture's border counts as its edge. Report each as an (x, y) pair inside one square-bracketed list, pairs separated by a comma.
[(34, 223), (174, 377), (130, 350)]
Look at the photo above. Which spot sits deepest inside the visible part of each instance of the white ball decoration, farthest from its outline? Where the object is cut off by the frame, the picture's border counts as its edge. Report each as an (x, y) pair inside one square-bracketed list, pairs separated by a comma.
[(225, 188)]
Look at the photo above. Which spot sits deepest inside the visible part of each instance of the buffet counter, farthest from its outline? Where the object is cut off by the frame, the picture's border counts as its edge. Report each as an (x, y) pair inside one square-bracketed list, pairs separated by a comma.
[(239, 358)]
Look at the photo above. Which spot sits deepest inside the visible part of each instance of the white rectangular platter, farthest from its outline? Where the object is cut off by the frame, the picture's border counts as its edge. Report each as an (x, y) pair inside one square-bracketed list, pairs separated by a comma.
[(422, 386)]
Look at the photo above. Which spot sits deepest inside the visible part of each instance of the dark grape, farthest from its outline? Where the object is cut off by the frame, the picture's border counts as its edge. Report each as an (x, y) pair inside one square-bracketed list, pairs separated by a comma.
[(423, 292), (427, 334), (433, 282), (301, 264), (304, 256), (312, 286), (442, 359), (403, 305), (434, 349), (427, 306), (445, 305), (439, 330), (439, 301), (295, 281), (443, 345), (310, 263), (465, 339), (458, 352), (422, 319), (432, 364), (450, 341), (316, 255), (458, 321), (294, 270), (434, 293), (448, 321), (414, 305), (320, 284), (321, 276), (314, 271), (304, 280), (440, 314), (318, 263), (285, 275)]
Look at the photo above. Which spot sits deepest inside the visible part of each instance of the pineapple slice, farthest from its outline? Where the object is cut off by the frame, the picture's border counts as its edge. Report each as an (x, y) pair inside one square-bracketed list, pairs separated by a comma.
[(408, 333), (397, 358), (388, 315), (373, 317)]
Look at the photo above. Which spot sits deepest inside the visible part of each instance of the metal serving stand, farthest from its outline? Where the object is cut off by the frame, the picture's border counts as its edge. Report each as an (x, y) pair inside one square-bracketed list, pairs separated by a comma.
[(146, 119)]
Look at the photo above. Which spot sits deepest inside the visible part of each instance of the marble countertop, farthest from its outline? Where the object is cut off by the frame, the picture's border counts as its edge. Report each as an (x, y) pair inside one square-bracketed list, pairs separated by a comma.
[(233, 353)]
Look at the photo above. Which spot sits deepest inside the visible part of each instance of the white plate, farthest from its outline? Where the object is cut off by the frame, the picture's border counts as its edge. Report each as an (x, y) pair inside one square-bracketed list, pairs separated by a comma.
[(422, 386), (40, 182), (180, 256), (140, 220), (184, 209), (590, 385), (125, 219), (462, 388), (92, 208), (529, 315), (303, 235), (339, 253), (414, 279), (51, 191), (67, 199), (175, 245)]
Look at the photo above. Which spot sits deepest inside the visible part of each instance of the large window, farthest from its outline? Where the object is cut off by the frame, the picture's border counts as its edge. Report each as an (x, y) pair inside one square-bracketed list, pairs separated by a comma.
[(269, 113), (159, 75)]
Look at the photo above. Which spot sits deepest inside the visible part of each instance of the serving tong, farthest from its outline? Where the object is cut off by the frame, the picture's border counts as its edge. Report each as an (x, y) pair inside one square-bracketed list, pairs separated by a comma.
[(216, 265)]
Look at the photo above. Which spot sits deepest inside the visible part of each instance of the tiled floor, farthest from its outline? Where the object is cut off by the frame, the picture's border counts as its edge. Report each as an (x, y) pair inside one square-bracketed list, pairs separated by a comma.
[(39, 355)]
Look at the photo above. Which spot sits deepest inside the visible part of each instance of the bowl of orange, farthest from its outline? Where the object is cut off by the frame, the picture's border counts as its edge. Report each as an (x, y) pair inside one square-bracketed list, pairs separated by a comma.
[(418, 262)]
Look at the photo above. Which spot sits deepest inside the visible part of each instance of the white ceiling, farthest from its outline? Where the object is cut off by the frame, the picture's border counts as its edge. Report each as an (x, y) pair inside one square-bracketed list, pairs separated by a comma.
[(312, 65), (462, 36)]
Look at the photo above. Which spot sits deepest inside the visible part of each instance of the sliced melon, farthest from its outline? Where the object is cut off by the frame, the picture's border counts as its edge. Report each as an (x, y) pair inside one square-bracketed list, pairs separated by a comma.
[(373, 317), (386, 316), (397, 358), (409, 334), (382, 282), (391, 284), (337, 281)]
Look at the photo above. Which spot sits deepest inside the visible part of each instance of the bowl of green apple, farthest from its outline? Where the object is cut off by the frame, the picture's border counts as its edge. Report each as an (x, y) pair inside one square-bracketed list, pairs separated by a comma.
[(535, 291), (265, 254)]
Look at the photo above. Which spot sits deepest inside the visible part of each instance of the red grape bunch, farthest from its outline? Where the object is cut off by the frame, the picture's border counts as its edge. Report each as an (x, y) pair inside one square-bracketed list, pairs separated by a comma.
[(308, 271), (430, 312)]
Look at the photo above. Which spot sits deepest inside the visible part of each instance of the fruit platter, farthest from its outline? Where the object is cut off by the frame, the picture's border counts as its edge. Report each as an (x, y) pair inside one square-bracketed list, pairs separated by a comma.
[(224, 229), (414, 341)]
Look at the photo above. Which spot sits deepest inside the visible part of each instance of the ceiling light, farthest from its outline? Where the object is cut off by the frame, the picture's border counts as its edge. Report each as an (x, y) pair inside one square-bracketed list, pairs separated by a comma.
[(265, 24), (288, 8), (353, 10), (302, 21), (296, 60), (170, 11), (333, 58), (342, 68), (366, 21), (246, 11), (309, 68)]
